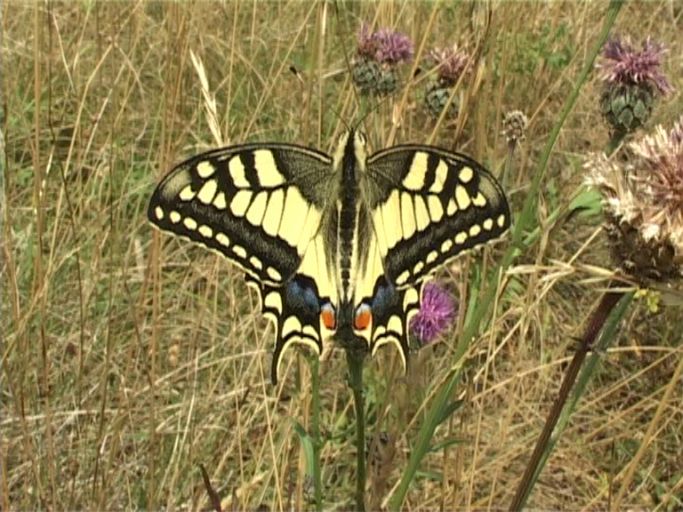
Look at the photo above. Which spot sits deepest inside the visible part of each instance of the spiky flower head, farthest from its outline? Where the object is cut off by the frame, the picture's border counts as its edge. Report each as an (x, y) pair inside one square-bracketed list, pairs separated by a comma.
[(632, 80), (379, 53), (437, 312), (623, 65), (643, 204), (514, 126), (450, 63), (384, 46)]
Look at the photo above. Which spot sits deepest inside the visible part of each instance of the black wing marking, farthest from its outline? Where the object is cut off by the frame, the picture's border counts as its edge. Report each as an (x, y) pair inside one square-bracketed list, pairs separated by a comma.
[(258, 205), (429, 205)]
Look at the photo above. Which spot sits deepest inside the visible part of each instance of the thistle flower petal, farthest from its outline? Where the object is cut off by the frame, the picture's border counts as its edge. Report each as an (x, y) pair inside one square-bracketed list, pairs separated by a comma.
[(384, 46), (643, 203), (450, 63), (623, 65), (393, 47), (437, 312)]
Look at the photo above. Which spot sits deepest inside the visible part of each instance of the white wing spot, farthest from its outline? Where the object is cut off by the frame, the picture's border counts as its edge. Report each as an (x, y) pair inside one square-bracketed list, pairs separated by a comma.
[(410, 298), (205, 169), (236, 169), (175, 217), (435, 208), (446, 245), (460, 238), (418, 267), (451, 208), (240, 202), (402, 278), (395, 324), (415, 178), (291, 324), (479, 200), (310, 331), (466, 174), (239, 251), (207, 192), (439, 177), (273, 301), (159, 212), (475, 230), (219, 202), (501, 220), (274, 274), (256, 263), (488, 224), (190, 223), (186, 194), (205, 231), (222, 239), (462, 197), (257, 208), (431, 257), (266, 168)]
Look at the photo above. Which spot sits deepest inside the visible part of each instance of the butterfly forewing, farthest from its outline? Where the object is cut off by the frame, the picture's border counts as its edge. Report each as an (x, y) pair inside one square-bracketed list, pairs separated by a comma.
[(258, 205), (429, 205)]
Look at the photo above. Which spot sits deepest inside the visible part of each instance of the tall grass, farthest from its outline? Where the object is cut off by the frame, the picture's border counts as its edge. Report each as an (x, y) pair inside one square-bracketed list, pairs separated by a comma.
[(129, 358)]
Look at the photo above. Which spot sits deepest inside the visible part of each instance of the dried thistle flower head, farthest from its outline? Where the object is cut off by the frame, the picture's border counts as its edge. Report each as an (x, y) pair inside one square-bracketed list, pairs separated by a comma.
[(514, 126), (643, 203), (378, 54), (437, 312), (631, 81)]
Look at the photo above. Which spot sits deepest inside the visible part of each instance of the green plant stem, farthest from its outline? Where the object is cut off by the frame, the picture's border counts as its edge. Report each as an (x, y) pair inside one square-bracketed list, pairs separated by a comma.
[(614, 141), (315, 433), (354, 359), (543, 445), (523, 224)]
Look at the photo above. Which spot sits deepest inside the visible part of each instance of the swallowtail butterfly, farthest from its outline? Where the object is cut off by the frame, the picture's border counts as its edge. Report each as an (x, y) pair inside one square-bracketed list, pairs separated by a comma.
[(338, 247)]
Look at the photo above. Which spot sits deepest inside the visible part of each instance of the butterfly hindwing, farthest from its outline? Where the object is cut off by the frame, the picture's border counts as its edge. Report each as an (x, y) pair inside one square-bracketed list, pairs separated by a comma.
[(258, 205), (294, 309), (428, 205)]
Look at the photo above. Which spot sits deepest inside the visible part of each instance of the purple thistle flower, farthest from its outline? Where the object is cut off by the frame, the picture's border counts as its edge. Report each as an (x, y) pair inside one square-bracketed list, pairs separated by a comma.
[(393, 47), (622, 64), (366, 42), (384, 46), (437, 312), (450, 62)]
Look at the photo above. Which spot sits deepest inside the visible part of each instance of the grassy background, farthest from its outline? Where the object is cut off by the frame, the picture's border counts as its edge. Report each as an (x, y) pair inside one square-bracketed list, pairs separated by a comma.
[(130, 358)]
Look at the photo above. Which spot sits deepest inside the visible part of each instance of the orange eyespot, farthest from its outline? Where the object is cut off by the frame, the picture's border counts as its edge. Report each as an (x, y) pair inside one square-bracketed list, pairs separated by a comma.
[(362, 318), (328, 317)]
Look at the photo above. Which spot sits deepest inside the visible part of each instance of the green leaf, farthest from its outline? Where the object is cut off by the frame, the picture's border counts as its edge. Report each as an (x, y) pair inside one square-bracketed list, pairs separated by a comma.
[(587, 203), (307, 444), (446, 443), (449, 409)]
